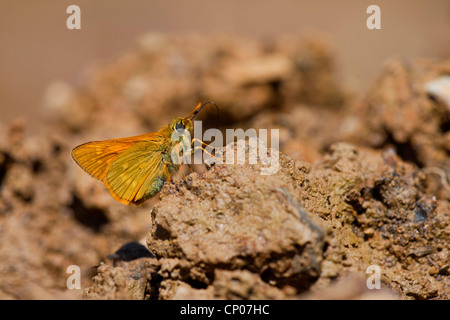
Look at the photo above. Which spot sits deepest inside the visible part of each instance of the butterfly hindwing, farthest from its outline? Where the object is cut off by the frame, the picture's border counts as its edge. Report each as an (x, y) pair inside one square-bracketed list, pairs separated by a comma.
[(137, 173)]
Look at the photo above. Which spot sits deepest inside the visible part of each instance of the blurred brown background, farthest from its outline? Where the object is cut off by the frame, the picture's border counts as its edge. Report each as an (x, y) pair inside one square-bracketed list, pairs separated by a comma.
[(37, 48)]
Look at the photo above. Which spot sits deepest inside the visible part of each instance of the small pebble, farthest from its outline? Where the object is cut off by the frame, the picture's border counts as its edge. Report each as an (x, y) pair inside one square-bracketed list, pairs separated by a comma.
[(433, 270), (440, 88)]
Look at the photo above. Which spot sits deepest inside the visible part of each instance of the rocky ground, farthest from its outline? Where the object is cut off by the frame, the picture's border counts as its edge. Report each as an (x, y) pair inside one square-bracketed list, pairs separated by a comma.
[(363, 180)]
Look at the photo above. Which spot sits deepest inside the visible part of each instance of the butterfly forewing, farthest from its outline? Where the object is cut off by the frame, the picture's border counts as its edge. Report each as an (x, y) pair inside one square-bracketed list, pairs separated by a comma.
[(95, 157)]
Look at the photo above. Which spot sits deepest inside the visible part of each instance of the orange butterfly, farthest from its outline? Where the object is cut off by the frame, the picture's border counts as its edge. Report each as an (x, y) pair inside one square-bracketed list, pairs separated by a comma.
[(135, 169)]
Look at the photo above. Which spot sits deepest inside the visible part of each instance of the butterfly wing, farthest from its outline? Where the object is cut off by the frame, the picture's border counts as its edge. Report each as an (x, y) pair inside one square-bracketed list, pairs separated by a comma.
[(96, 157), (137, 174), (131, 168)]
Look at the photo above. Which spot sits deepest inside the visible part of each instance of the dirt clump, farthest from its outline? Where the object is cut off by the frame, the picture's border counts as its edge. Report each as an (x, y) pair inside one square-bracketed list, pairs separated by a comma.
[(302, 229), (235, 218), (130, 281), (408, 108), (47, 224)]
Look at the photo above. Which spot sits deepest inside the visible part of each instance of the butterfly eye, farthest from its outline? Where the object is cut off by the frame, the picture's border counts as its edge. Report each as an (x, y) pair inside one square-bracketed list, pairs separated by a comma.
[(180, 126)]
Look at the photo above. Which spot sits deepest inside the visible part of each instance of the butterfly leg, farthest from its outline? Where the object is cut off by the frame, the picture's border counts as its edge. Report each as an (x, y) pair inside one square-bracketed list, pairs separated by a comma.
[(203, 143), (195, 149), (180, 161), (200, 147), (186, 156)]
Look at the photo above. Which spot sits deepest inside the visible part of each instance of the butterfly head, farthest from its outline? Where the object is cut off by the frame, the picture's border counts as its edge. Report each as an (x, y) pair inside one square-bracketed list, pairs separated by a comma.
[(180, 124)]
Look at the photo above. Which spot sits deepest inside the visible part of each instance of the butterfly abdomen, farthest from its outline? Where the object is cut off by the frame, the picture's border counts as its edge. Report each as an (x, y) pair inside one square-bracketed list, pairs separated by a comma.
[(155, 187)]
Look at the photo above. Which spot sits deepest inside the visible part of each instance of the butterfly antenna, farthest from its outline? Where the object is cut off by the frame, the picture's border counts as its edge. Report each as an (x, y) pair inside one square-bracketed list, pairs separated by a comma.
[(198, 109)]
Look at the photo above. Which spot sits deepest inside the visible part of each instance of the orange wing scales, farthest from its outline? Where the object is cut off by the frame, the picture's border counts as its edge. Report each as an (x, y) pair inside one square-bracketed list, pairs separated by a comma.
[(132, 168)]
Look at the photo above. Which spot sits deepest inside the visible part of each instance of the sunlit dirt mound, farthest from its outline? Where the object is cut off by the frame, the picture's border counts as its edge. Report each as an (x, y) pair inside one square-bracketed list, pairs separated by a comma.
[(361, 182)]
